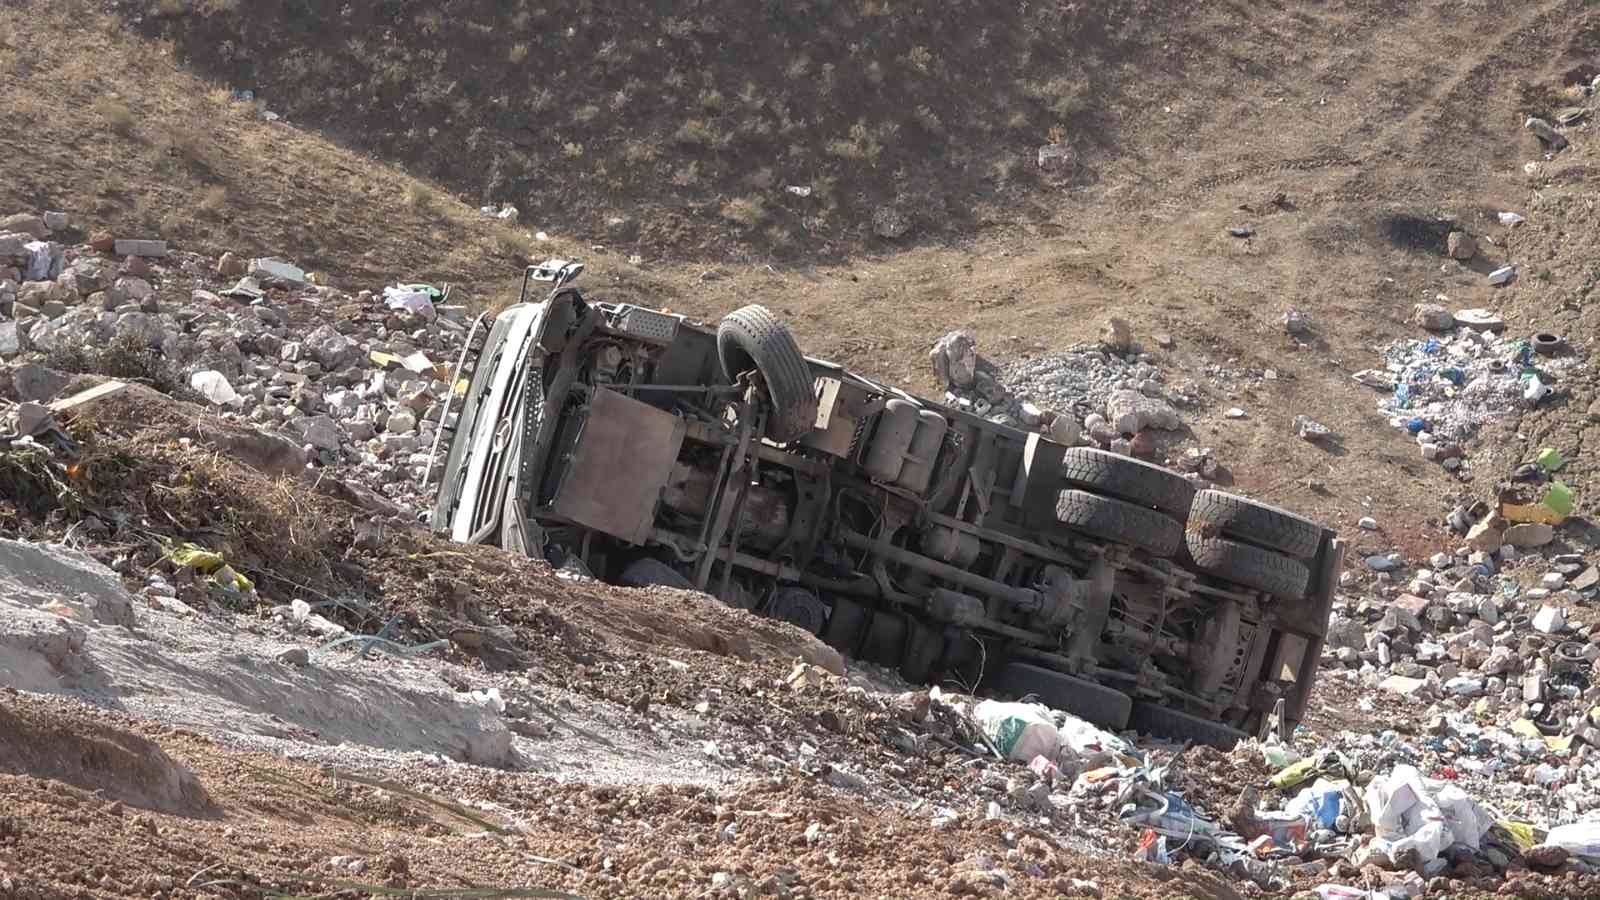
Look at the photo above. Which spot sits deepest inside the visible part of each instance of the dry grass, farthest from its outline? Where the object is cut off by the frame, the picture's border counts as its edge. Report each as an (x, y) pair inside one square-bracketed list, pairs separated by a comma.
[(118, 134), (749, 212)]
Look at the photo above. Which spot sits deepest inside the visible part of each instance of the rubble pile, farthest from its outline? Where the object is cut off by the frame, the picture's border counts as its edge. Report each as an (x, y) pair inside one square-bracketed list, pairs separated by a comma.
[(357, 380), (1100, 394)]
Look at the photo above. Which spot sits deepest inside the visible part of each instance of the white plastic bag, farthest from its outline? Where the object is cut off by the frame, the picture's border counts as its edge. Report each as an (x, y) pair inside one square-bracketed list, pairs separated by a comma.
[(1577, 838), (1404, 816), (1020, 731), (415, 302), (1466, 821)]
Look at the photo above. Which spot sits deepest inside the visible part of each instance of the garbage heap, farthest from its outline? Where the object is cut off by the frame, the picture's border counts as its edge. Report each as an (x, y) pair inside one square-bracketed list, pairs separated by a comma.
[(357, 380), (1356, 816), (1442, 389)]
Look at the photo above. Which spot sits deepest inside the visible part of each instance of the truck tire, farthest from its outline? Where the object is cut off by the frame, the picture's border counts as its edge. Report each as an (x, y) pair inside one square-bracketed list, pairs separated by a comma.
[(924, 648), (1095, 703), (1252, 567), (1160, 721), (650, 572), (1120, 522), (1130, 480), (847, 626), (752, 338), (1256, 523)]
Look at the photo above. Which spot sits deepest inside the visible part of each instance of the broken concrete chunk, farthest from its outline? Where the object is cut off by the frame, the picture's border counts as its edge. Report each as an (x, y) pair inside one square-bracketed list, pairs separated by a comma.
[(272, 269), (1130, 412), (1550, 620), (151, 249), (955, 359), (1433, 317), (322, 433), (1530, 534), (1545, 132)]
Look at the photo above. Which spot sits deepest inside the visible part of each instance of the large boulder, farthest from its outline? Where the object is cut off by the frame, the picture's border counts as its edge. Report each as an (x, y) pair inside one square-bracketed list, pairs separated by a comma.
[(955, 359)]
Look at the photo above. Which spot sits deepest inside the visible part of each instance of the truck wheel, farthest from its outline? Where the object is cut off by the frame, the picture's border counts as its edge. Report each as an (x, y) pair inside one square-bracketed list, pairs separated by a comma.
[(1092, 702), (1160, 721), (886, 639), (924, 647), (847, 625), (1135, 482), (752, 338), (1256, 523), (1250, 566), (1123, 523), (649, 572)]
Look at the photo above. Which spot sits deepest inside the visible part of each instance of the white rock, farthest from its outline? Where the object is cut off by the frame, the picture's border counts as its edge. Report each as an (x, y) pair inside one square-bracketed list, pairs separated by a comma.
[(1367, 523), (214, 386), (1550, 620)]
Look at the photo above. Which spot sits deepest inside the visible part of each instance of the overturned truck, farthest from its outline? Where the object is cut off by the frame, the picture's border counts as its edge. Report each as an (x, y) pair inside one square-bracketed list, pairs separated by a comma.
[(657, 451)]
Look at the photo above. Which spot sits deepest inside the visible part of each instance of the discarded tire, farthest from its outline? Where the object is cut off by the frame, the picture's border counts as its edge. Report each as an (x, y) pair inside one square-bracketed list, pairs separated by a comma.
[(1255, 523), (1119, 522), (1148, 718), (1124, 478), (648, 572), (751, 338), (1251, 567), (1098, 704)]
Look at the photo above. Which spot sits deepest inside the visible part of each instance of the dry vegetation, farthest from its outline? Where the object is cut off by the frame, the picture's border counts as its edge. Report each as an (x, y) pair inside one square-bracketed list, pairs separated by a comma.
[(107, 126), (576, 111)]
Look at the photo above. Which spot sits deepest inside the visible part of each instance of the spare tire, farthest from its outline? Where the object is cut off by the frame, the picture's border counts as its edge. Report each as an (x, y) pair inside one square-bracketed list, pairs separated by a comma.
[(1122, 523), (751, 338), (1266, 526), (1125, 478), (1252, 567)]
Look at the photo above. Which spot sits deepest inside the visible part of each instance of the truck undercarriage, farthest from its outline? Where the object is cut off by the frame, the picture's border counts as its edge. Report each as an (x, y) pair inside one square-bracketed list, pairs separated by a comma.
[(658, 451)]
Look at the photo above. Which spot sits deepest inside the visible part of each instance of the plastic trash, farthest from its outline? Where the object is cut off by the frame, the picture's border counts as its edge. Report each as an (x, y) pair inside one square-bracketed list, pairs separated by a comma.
[(1405, 816), (1416, 425), (1523, 834), (1279, 756), (1466, 821), (1511, 219), (1535, 390), (1503, 275), (1550, 459), (1558, 499), (1020, 731), (1152, 848), (194, 556), (1402, 395), (417, 302), (1084, 739), (1319, 804), (1578, 838), (214, 386)]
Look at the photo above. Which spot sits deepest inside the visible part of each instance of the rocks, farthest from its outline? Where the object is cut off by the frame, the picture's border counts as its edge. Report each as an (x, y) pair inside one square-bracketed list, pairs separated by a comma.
[(1529, 535), (27, 223), (321, 433), (1545, 132), (1460, 245), (56, 221), (1384, 562), (1485, 536), (1433, 317), (1553, 581), (1550, 620), (295, 656), (1130, 412), (889, 222), (1400, 684), (1055, 157), (231, 266), (151, 249), (1116, 336), (330, 348), (1367, 523), (1297, 323), (1309, 429), (955, 359), (37, 384)]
